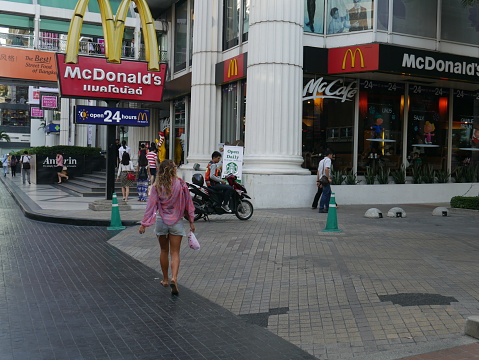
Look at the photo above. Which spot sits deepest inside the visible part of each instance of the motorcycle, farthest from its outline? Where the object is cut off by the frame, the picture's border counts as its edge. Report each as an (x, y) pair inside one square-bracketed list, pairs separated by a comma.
[(207, 201)]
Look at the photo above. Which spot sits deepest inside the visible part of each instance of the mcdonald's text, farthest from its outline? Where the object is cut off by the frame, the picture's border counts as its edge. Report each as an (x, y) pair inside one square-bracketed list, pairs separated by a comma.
[(96, 78)]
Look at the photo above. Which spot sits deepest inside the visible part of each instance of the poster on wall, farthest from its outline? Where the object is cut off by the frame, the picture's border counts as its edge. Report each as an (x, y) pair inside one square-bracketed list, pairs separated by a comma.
[(232, 161), (313, 16), (349, 15)]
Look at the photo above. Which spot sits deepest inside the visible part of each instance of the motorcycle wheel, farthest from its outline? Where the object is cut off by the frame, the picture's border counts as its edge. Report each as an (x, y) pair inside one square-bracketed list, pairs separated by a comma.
[(244, 210), (198, 204)]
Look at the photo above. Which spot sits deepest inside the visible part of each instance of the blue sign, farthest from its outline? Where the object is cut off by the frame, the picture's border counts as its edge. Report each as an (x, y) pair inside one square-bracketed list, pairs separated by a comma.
[(52, 128), (111, 116)]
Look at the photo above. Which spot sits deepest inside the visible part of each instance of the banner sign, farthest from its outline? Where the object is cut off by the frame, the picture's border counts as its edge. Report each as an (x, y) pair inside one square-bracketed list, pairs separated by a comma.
[(231, 70), (111, 116), (94, 77), (49, 102), (353, 59), (232, 161), (27, 64), (36, 112), (52, 128)]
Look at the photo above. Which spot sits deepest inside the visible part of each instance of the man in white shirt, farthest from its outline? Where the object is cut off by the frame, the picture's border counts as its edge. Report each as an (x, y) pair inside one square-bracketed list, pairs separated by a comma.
[(324, 169)]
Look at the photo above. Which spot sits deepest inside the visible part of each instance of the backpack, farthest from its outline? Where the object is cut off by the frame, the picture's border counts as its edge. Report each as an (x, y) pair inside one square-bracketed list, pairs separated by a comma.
[(143, 173)]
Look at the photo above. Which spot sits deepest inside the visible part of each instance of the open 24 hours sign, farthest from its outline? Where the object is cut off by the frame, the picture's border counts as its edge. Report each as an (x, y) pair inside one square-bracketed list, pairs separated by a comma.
[(111, 116)]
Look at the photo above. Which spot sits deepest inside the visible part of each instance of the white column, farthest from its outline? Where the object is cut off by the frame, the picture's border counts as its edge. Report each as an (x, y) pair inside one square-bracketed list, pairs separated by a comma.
[(273, 104), (205, 119), (65, 121)]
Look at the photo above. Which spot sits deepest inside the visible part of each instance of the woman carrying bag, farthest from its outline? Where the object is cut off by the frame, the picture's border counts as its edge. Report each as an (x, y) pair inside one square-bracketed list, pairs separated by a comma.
[(125, 175), (171, 198)]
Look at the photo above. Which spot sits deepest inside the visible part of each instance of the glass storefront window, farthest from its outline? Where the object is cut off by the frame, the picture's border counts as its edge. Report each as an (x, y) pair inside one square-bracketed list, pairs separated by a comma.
[(231, 14), (459, 23), (192, 22), (383, 15), (232, 113), (181, 15), (417, 18), (314, 16), (427, 127), (179, 128), (465, 129), (328, 123), (245, 19), (356, 15), (14, 117), (381, 113)]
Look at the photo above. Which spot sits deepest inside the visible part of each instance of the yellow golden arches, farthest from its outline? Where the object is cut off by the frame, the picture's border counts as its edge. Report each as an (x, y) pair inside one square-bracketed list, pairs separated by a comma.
[(353, 58), (113, 29)]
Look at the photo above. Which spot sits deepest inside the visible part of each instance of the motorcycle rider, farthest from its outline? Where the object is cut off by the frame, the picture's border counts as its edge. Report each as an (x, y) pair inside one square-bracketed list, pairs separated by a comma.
[(213, 171)]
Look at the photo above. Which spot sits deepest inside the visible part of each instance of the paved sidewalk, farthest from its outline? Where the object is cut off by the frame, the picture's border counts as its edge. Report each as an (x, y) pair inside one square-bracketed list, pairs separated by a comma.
[(381, 289)]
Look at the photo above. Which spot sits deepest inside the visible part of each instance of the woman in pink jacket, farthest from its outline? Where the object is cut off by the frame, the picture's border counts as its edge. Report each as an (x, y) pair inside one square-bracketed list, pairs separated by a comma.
[(171, 198)]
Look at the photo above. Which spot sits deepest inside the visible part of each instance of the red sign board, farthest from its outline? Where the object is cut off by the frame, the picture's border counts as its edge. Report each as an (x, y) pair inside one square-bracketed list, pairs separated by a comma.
[(353, 59), (94, 77), (233, 68), (49, 102)]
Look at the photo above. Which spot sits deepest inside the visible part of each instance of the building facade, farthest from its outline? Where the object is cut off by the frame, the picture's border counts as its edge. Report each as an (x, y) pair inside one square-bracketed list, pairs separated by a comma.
[(381, 83)]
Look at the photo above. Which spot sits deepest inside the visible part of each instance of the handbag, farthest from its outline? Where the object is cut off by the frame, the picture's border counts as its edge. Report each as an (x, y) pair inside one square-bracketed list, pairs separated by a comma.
[(324, 180), (193, 241), (130, 176)]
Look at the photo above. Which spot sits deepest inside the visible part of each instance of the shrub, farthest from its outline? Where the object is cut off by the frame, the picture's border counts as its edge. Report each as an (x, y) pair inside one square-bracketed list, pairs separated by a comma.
[(399, 176), (383, 176), (351, 178), (370, 176), (416, 175), (428, 174), (465, 202), (338, 177), (63, 149), (442, 176)]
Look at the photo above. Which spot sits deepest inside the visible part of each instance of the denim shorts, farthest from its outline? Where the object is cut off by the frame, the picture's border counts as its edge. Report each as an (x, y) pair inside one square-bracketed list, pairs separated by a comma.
[(162, 229)]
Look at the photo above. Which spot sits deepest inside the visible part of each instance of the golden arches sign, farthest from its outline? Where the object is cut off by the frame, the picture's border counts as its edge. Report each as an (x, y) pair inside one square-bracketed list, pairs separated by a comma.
[(113, 29), (142, 116), (233, 68), (353, 58)]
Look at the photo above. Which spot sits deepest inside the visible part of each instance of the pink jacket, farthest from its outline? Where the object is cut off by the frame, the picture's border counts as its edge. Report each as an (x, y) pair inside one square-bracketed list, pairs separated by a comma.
[(170, 208)]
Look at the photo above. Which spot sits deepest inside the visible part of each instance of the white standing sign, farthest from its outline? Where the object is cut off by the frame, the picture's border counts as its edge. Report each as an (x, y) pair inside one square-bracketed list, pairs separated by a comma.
[(233, 161)]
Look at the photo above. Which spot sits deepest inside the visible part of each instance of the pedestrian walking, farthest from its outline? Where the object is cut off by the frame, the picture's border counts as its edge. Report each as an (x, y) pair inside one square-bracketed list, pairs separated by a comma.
[(142, 178), (152, 157), (319, 191), (13, 164), (5, 164), (122, 149), (171, 198), (60, 174), (126, 175), (324, 175), (25, 161)]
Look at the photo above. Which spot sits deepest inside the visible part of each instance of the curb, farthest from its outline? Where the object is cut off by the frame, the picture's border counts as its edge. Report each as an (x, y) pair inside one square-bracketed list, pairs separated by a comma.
[(35, 215)]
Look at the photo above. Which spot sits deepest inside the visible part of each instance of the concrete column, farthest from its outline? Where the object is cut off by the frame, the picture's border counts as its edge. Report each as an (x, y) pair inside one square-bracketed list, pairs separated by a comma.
[(274, 107), (205, 119), (64, 121)]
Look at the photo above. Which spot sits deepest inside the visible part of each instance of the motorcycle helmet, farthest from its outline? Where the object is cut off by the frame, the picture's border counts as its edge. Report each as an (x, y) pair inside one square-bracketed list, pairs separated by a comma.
[(197, 179)]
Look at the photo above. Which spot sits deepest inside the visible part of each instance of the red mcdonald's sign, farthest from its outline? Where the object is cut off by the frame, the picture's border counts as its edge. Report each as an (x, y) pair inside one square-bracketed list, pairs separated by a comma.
[(353, 59), (234, 68)]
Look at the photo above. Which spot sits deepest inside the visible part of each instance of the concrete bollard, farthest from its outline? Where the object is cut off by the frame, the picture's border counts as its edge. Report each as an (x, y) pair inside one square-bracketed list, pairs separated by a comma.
[(396, 212), (373, 213)]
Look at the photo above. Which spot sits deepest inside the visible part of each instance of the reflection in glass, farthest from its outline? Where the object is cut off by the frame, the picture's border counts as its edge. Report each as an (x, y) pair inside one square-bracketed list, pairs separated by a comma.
[(381, 110), (245, 19), (231, 18), (459, 23), (181, 14), (179, 128), (383, 15), (415, 17), (327, 125), (428, 126)]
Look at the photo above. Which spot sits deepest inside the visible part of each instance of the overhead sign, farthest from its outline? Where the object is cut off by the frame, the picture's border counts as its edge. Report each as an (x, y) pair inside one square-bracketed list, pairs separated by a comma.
[(231, 70), (111, 116), (27, 64), (94, 77), (113, 29), (353, 59)]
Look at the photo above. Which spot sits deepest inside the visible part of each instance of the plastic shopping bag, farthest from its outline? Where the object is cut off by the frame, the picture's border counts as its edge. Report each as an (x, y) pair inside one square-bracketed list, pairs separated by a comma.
[(192, 241)]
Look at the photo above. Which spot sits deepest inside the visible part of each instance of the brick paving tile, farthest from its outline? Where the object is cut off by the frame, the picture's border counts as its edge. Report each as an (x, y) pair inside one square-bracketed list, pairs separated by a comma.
[(66, 293), (465, 352)]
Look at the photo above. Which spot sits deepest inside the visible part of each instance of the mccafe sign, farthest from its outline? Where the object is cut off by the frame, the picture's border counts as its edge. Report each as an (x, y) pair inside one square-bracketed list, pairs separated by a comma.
[(330, 89)]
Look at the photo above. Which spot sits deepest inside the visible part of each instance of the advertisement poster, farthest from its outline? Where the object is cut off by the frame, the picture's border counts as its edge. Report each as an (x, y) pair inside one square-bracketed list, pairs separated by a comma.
[(349, 16), (36, 112), (49, 102), (313, 16), (27, 64), (232, 161)]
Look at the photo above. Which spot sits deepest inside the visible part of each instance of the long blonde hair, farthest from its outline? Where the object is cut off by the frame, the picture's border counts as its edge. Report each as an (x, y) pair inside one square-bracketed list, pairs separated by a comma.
[(165, 175)]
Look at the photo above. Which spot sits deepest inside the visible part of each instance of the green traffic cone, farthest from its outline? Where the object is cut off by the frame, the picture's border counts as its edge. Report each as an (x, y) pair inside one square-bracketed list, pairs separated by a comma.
[(332, 222), (115, 223)]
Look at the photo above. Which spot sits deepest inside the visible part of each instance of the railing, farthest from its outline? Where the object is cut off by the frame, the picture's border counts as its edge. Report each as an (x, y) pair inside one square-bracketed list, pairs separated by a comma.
[(59, 45)]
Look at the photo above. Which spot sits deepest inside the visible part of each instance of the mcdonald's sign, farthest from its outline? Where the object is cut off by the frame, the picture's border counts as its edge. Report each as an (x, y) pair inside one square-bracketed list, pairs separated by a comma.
[(231, 69), (95, 77), (353, 59)]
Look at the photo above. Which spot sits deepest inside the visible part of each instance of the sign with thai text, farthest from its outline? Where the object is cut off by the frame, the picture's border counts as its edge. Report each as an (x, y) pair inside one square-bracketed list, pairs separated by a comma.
[(36, 112), (111, 116), (94, 77), (27, 64)]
